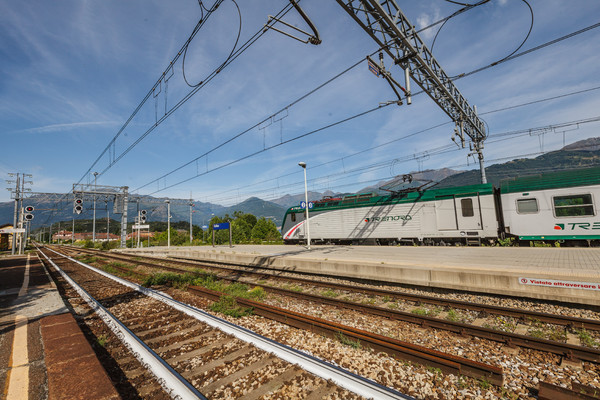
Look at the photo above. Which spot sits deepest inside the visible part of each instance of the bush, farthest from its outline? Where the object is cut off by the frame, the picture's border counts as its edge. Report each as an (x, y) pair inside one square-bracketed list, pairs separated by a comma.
[(110, 244), (88, 244), (228, 306)]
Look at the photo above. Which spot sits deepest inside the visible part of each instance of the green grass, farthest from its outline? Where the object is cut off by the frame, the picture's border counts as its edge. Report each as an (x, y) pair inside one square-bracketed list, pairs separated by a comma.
[(293, 288), (544, 331), (455, 316), (484, 383), (343, 339), (586, 339), (87, 259), (427, 312), (330, 293), (228, 305), (101, 340), (205, 280)]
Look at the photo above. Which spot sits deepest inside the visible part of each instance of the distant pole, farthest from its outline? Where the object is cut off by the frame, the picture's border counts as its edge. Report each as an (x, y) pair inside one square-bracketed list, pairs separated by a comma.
[(168, 223), (191, 206), (94, 218), (303, 165), (14, 235), (73, 231), (107, 222)]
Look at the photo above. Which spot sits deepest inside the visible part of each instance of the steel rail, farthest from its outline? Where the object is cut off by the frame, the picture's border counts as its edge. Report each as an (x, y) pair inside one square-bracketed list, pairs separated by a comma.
[(171, 381), (549, 391), (570, 352), (352, 382), (567, 321), (446, 362), (404, 350)]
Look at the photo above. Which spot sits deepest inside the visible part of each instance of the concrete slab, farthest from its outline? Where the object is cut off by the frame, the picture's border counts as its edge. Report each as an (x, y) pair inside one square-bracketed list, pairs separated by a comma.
[(45, 354), (562, 274)]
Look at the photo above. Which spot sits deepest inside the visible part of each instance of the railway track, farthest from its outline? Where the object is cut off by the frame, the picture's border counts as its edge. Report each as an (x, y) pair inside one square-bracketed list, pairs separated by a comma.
[(569, 352), (562, 320), (549, 367), (213, 357)]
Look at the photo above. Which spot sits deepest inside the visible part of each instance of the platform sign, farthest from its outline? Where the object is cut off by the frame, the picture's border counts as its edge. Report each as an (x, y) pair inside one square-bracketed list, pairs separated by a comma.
[(204, 227), (141, 227), (222, 225), (219, 227), (12, 230), (303, 205)]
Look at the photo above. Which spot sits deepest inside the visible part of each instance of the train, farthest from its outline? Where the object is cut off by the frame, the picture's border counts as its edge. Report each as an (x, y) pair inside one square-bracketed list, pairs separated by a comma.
[(550, 208)]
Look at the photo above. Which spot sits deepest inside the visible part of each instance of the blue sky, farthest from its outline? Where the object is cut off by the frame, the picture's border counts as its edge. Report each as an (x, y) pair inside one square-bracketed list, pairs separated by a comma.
[(73, 72)]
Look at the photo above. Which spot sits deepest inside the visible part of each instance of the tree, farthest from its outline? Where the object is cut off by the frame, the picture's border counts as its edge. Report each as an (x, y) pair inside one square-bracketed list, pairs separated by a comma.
[(265, 230)]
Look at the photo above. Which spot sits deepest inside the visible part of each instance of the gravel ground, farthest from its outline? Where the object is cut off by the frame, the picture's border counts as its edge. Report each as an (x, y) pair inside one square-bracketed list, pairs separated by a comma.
[(523, 368)]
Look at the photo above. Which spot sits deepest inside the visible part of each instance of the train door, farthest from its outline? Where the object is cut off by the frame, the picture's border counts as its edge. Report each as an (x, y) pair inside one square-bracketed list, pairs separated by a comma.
[(469, 213), (445, 213)]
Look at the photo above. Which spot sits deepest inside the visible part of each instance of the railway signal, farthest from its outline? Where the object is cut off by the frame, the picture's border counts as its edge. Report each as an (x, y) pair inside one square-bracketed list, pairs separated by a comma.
[(28, 216), (143, 216), (78, 206)]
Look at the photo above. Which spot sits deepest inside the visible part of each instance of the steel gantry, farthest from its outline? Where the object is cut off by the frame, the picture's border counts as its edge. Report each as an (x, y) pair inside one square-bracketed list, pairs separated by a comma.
[(392, 31)]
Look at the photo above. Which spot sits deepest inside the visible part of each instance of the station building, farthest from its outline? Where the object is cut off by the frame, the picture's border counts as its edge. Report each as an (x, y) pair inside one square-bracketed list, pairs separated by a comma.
[(6, 238)]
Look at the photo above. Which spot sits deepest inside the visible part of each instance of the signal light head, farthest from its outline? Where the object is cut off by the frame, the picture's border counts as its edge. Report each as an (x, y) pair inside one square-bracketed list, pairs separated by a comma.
[(28, 217), (143, 212), (29, 209), (78, 201)]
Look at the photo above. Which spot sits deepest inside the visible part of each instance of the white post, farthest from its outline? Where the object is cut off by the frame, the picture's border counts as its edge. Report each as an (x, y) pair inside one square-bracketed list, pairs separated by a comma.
[(191, 206), (168, 223), (303, 165)]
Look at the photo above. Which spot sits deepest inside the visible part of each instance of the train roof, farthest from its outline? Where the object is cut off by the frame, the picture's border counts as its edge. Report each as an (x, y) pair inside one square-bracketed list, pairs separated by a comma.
[(372, 199), (552, 180)]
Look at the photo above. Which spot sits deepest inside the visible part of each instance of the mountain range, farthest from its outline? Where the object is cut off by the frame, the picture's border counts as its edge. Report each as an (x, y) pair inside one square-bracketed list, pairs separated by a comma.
[(580, 154)]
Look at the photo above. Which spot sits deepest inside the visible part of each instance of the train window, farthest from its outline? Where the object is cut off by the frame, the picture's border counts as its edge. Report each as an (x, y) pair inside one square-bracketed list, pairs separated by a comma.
[(577, 205), (527, 206), (293, 217), (467, 207)]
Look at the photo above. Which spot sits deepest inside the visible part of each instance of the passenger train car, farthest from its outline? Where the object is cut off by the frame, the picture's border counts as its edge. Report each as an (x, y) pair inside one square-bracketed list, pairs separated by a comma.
[(560, 206)]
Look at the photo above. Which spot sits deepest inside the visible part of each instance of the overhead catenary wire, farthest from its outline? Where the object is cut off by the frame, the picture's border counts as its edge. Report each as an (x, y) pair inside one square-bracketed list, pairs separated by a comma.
[(331, 80), (472, 72), (434, 151), (195, 89), (360, 152)]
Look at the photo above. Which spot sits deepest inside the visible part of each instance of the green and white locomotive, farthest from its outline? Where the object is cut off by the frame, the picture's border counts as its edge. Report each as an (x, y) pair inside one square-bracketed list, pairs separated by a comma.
[(559, 206)]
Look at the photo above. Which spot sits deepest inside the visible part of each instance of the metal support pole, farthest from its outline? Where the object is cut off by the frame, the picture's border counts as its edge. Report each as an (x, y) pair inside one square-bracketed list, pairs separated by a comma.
[(107, 223), (21, 215), (303, 165), (191, 206), (14, 235), (73, 232), (168, 224), (94, 218), (481, 167), (124, 218)]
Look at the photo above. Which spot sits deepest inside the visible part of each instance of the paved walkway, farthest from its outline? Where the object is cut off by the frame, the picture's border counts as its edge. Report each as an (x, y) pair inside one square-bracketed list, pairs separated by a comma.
[(43, 353)]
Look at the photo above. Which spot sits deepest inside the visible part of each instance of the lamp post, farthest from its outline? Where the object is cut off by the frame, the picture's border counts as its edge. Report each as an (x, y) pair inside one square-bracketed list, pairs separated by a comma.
[(303, 165), (168, 223), (94, 218)]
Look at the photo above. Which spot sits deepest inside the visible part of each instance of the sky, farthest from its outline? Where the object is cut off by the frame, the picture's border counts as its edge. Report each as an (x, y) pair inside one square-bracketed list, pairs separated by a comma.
[(75, 74)]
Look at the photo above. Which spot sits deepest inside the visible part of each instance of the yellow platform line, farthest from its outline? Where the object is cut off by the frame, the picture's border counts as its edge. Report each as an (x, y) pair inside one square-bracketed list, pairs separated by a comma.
[(18, 379)]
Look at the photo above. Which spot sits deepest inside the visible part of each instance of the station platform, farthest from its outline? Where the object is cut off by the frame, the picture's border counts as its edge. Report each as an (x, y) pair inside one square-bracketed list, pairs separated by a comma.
[(560, 274), (43, 352)]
